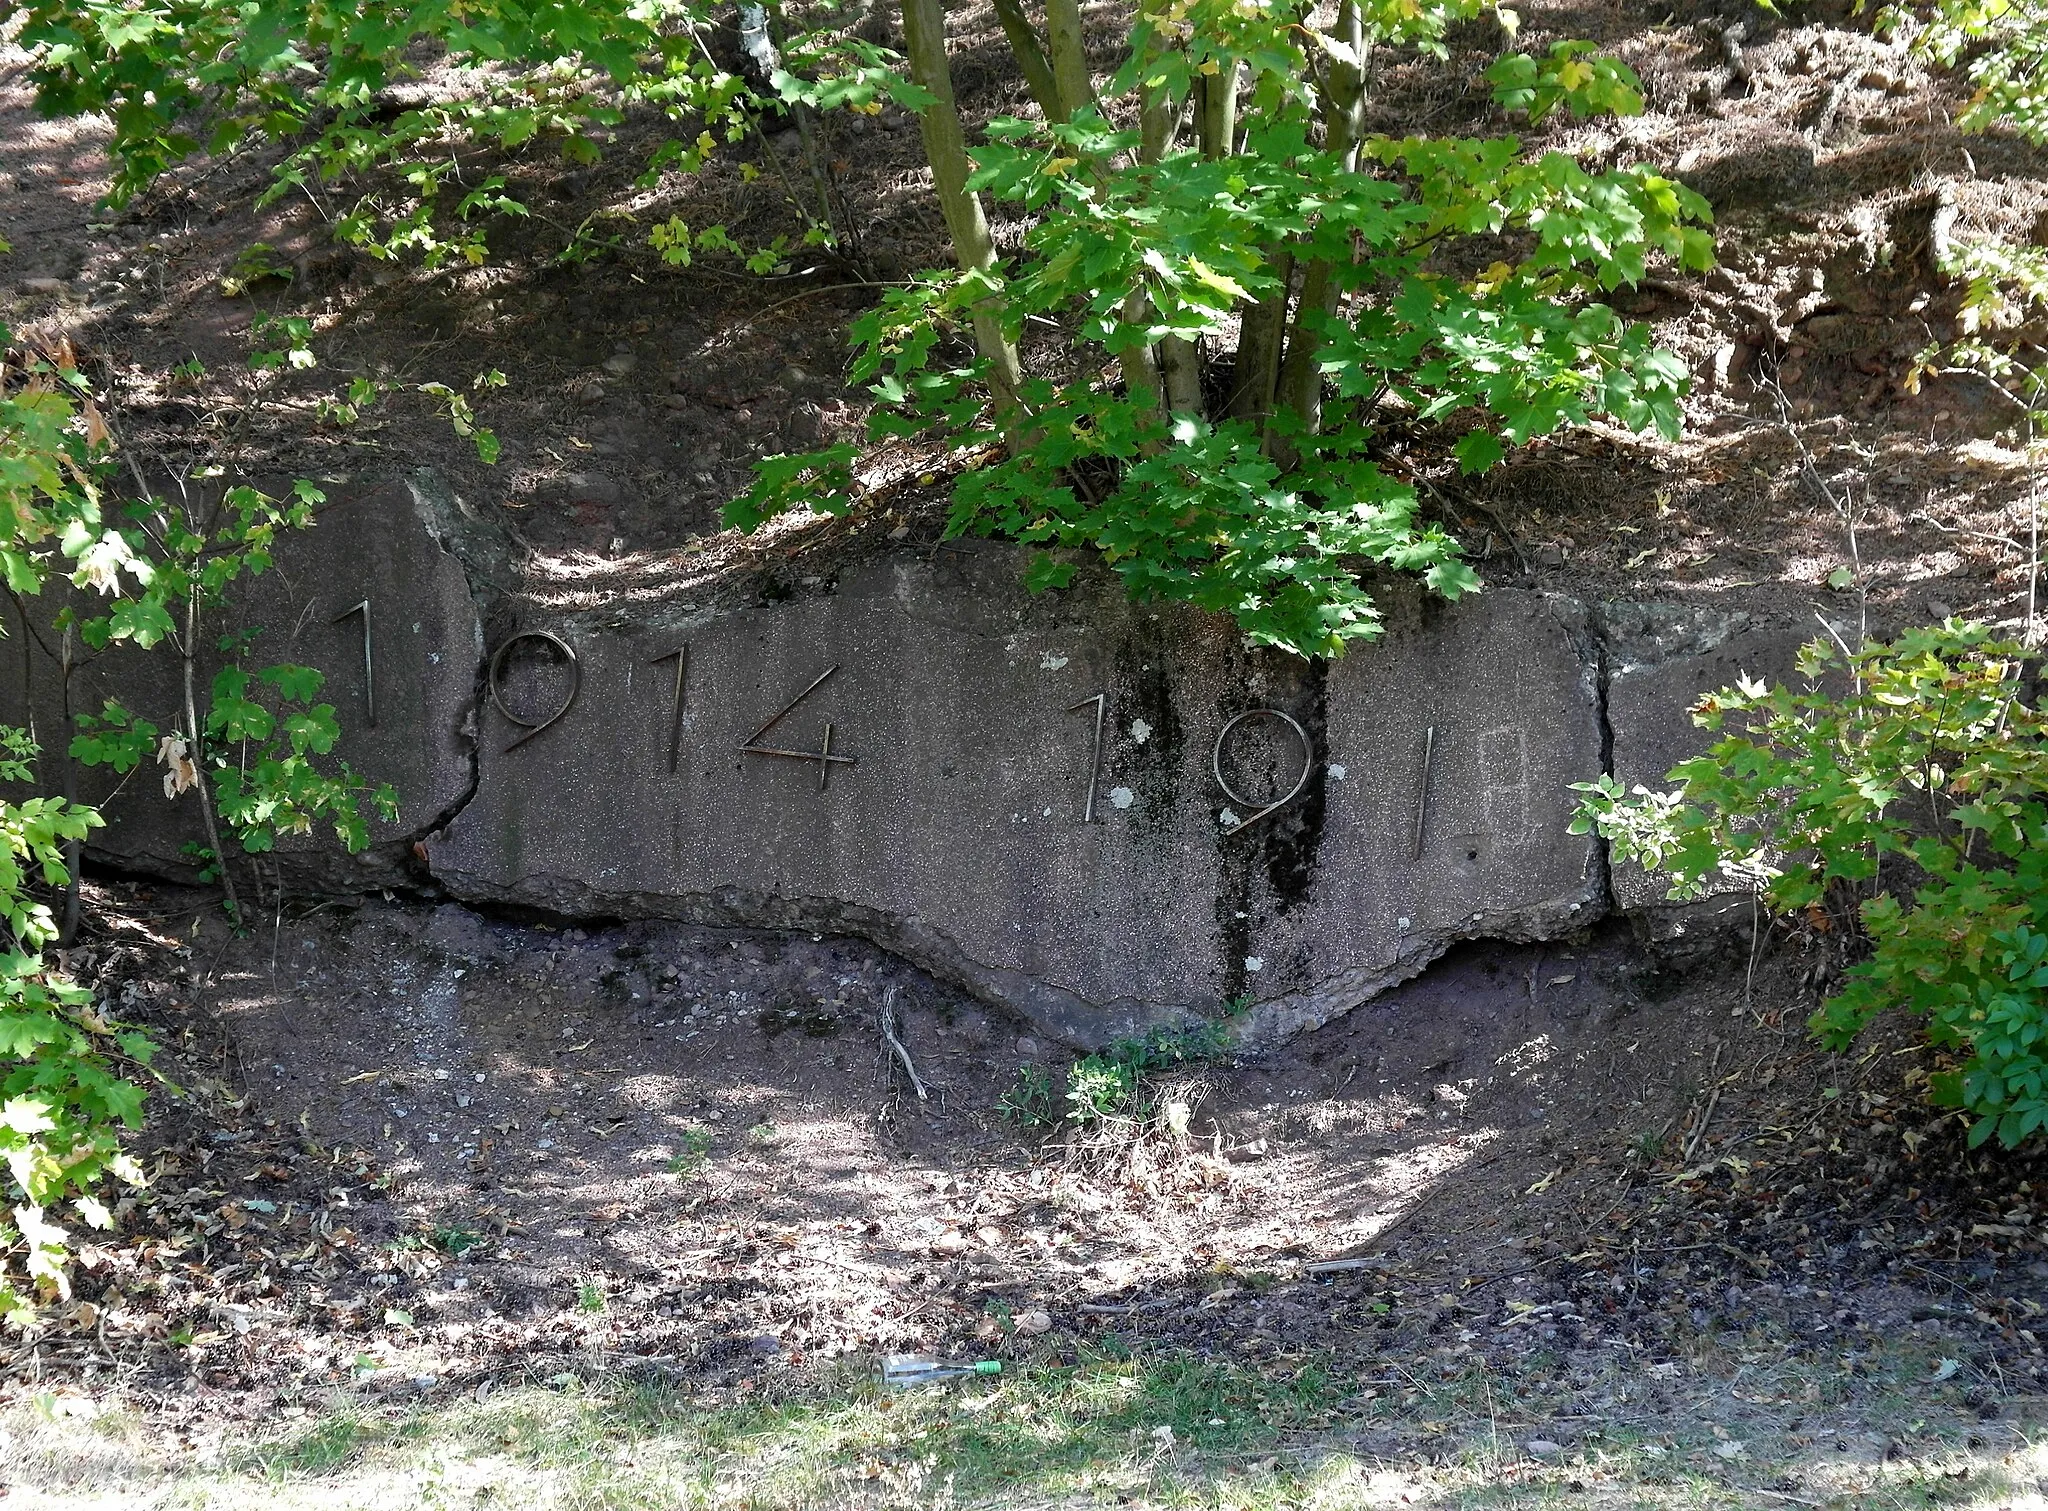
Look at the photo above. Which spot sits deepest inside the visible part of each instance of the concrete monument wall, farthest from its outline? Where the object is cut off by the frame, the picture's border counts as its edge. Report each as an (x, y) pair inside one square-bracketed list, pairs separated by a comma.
[(1098, 814)]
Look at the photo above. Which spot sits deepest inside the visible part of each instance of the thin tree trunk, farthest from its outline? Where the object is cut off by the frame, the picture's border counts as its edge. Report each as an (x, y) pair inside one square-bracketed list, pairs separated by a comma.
[(1158, 124), (190, 650), (1262, 335), (1180, 362), (74, 850), (757, 40), (1069, 57), (1301, 379), (1217, 116), (945, 148), (1180, 371), (1139, 364), (1032, 62), (1153, 372)]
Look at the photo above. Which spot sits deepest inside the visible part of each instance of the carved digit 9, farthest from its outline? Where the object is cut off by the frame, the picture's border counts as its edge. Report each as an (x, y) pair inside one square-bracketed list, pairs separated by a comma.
[(532, 727), (1308, 764)]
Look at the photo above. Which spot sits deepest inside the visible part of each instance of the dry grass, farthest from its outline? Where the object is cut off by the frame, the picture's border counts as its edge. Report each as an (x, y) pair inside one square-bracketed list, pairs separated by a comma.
[(1170, 1431)]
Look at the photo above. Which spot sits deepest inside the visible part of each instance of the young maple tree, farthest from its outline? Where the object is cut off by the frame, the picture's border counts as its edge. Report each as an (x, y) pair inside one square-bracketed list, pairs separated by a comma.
[(1226, 289)]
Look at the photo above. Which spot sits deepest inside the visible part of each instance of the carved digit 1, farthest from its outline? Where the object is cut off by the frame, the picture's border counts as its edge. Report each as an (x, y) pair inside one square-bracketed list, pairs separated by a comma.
[(1422, 795), (1101, 702), (823, 756), (675, 712), (369, 668)]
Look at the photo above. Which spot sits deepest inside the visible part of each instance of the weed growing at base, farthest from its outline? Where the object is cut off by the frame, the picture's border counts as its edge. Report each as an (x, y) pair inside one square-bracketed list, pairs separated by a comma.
[(1109, 1083)]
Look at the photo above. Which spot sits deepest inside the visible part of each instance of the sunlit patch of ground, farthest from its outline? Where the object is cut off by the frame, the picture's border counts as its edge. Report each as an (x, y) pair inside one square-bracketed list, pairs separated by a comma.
[(1162, 1431)]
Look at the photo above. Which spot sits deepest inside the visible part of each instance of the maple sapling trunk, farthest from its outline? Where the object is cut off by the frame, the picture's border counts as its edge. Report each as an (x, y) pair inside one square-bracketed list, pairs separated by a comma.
[(1029, 52), (945, 148), (1069, 56), (1301, 378)]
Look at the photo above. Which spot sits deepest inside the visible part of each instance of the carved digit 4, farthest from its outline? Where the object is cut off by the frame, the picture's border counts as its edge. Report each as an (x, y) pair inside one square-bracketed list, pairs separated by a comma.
[(369, 668), (824, 756)]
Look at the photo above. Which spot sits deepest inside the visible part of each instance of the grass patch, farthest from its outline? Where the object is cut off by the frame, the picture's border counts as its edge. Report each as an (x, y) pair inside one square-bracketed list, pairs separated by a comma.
[(320, 1449), (1171, 1431)]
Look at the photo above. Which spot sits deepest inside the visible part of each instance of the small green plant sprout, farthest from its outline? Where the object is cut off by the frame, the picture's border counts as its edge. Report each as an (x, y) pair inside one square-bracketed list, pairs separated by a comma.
[(1029, 1101), (290, 339), (461, 414), (454, 1240), (1906, 787), (1106, 1084), (254, 264), (590, 1297), (693, 1147), (1100, 1087)]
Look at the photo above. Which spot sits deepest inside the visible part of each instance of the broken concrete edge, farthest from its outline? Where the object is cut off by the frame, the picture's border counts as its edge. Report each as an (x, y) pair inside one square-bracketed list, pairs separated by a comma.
[(479, 549), (1268, 1024), (1039, 1003)]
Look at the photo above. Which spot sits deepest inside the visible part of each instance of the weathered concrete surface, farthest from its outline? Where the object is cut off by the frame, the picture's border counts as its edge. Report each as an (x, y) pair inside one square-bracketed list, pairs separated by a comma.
[(369, 543), (1433, 808), (1660, 660), (958, 837)]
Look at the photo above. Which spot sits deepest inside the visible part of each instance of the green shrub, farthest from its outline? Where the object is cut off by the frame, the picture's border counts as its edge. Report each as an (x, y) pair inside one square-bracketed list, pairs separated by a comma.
[(250, 753), (1029, 1099), (1915, 789), (1222, 301), (61, 1099), (1107, 1083)]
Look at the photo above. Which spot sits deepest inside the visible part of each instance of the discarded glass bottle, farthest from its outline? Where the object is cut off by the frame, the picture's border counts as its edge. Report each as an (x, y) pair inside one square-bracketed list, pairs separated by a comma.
[(905, 1371)]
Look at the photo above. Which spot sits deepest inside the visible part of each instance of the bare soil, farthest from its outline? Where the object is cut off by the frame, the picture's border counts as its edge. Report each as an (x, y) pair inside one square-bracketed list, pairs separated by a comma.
[(421, 1152), (416, 1150)]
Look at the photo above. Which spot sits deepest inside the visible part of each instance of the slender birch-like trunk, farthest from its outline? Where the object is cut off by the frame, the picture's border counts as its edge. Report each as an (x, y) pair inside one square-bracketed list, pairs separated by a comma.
[(1300, 388), (945, 148)]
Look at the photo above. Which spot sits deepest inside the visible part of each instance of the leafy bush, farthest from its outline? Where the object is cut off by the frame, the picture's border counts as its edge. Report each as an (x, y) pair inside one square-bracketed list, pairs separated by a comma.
[(1230, 306), (2003, 49), (1914, 790), (1197, 360), (253, 752), (61, 1099)]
